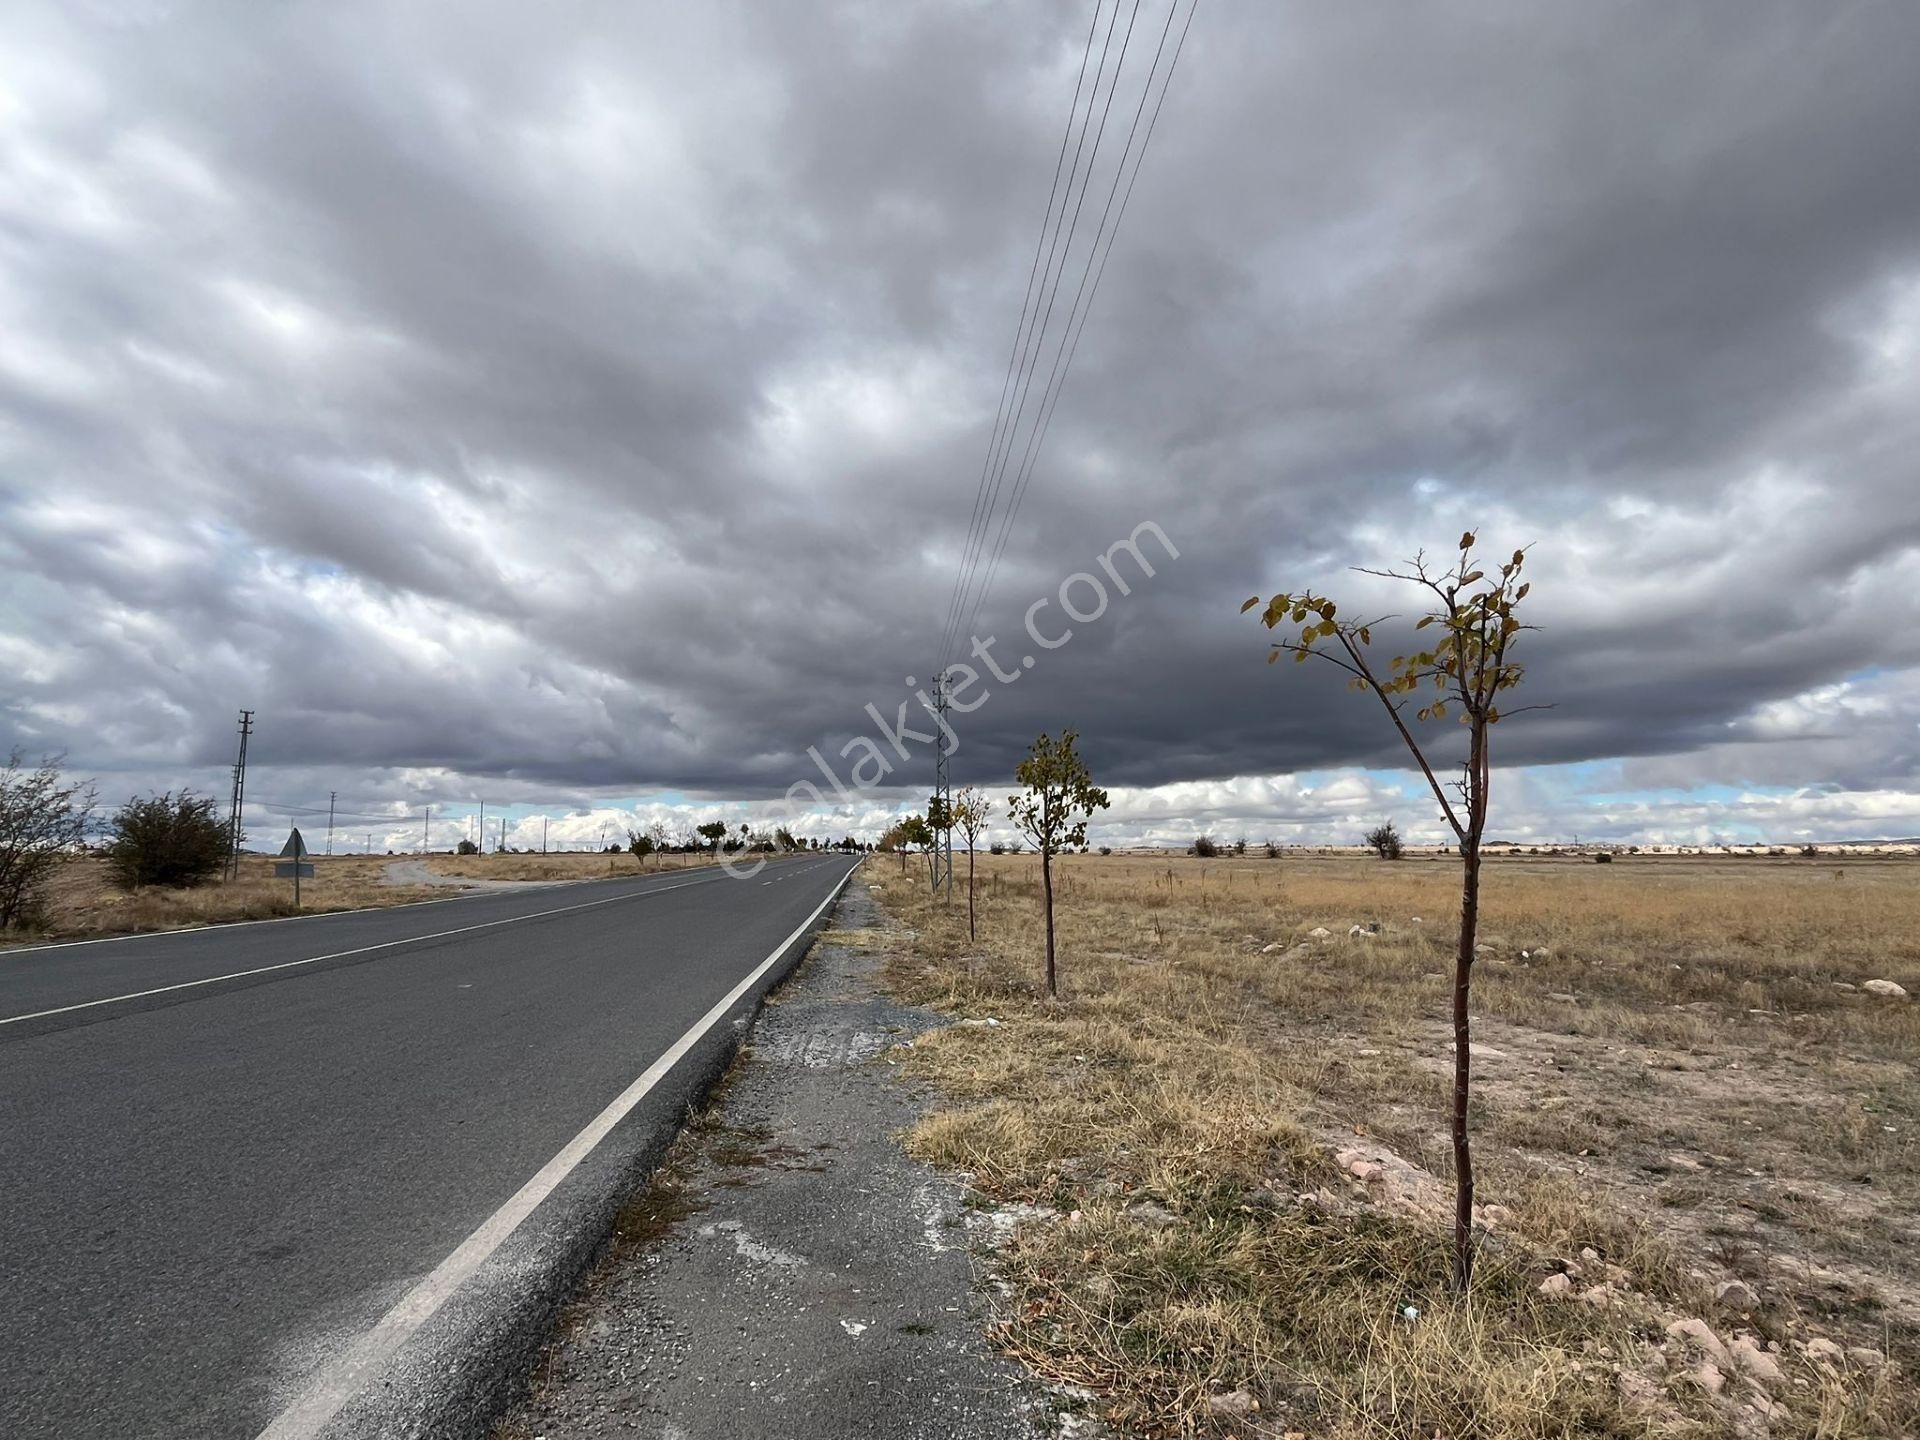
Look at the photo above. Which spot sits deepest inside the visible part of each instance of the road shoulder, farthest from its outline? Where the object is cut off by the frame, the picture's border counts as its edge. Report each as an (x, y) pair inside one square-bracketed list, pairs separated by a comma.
[(790, 1272)]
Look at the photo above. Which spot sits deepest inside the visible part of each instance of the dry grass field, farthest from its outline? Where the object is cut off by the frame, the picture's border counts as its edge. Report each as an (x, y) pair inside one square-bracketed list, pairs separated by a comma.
[(1686, 1108), (84, 903), (571, 865)]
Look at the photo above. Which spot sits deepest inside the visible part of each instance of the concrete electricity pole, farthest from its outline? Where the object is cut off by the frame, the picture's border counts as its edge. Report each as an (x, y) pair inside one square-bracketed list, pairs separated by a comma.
[(332, 795), (942, 788), (238, 806)]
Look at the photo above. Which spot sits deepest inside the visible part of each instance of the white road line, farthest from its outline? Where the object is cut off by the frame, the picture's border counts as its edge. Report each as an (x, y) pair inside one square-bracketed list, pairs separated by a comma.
[(351, 1372), (343, 954)]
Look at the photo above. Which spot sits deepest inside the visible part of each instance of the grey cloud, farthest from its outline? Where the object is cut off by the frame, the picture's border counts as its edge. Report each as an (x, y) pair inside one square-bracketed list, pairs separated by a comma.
[(596, 407)]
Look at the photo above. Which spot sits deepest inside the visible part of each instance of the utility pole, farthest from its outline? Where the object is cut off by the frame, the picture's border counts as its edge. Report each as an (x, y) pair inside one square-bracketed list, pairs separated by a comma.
[(238, 806), (942, 787), (502, 848), (332, 795), (543, 834), (480, 830), (369, 842), (426, 831)]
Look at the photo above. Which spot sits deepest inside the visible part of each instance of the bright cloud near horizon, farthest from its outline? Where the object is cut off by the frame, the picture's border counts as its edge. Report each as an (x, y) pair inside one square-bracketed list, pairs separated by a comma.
[(580, 410)]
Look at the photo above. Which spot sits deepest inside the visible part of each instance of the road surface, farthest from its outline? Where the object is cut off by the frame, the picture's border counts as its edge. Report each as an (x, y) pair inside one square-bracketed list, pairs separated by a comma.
[(328, 1175)]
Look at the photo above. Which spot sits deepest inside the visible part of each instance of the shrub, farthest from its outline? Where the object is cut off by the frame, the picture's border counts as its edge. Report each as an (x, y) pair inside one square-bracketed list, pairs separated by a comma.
[(1205, 847), (1273, 850), (1240, 846), (1106, 849), (42, 817), (1384, 841), (997, 847), (167, 839), (466, 847)]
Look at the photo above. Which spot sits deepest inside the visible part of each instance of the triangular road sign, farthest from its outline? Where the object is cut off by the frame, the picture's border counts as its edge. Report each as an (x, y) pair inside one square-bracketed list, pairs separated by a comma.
[(295, 846)]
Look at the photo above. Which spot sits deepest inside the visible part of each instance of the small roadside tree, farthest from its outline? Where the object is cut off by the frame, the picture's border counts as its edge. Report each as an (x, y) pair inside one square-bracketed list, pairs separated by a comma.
[(167, 839), (1467, 670), (1052, 811), (971, 811), (915, 832), (713, 832), (640, 844), (1384, 841), (939, 823), (43, 816)]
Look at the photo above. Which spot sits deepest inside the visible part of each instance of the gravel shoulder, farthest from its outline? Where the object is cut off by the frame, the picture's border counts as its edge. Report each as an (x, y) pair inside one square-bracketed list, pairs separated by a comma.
[(790, 1272)]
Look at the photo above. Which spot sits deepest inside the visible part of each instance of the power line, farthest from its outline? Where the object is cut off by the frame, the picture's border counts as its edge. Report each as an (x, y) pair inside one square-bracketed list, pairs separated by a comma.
[(1026, 307), (1050, 281), (1077, 316)]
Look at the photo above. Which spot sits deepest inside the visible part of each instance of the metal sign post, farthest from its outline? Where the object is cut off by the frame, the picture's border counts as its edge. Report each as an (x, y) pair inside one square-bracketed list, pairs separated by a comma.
[(292, 864)]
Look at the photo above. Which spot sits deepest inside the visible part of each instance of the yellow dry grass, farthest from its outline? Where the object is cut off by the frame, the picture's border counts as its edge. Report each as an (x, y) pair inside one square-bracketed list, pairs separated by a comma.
[(1675, 1083), (559, 866), (83, 902)]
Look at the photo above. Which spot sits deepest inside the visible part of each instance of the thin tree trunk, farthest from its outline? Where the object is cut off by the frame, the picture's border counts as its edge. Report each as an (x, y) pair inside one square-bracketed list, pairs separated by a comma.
[(970, 932), (1046, 886), (1462, 1066)]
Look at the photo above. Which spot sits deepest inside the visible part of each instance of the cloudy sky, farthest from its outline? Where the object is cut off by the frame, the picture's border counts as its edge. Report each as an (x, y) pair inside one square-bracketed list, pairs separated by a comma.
[(581, 408)]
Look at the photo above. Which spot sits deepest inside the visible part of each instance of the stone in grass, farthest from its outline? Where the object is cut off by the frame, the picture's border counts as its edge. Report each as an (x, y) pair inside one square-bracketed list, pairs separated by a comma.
[(1233, 1402), (1152, 1215), (1701, 1335), (1755, 1361), (1319, 932), (1886, 988), (1736, 1295), (1557, 1286)]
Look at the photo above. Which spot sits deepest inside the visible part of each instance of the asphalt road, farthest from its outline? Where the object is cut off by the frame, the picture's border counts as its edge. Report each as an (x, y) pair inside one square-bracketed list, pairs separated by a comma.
[(230, 1157)]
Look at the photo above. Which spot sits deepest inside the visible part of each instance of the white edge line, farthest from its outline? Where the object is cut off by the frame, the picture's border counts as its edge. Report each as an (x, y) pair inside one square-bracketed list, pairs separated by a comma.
[(342, 954), (347, 1375)]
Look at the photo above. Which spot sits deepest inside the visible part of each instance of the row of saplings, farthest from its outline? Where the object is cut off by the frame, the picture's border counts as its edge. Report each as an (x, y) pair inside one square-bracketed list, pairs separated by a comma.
[(46, 816), (1465, 674)]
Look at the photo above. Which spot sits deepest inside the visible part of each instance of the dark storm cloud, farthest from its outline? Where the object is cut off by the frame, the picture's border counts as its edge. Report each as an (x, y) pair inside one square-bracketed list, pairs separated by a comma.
[(592, 400)]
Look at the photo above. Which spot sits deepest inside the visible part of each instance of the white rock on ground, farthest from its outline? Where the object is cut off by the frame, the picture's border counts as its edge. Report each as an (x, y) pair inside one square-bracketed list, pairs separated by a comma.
[(1886, 988), (1234, 1402), (1701, 1335), (1754, 1361)]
